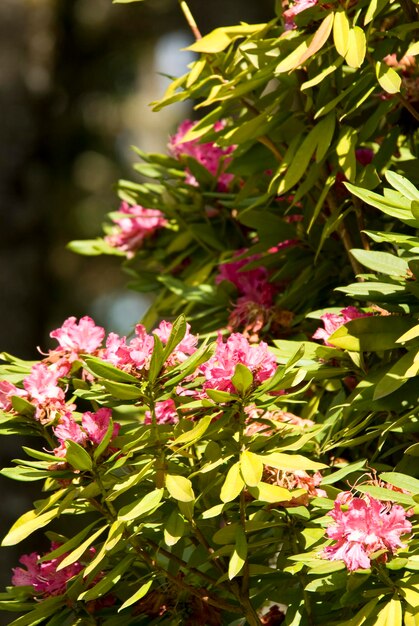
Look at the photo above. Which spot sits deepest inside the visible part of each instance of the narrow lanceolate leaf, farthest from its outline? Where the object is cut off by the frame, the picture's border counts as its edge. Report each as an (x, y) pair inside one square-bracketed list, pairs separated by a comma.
[(108, 581), (375, 7), (388, 78), (251, 468), (242, 378), (357, 46), (27, 524), (238, 558), (233, 484), (180, 488), (291, 462), (76, 554), (271, 493), (193, 435), (146, 505), (406, 367), (140, 593), (341, 32), (401, 481), (319, 38)]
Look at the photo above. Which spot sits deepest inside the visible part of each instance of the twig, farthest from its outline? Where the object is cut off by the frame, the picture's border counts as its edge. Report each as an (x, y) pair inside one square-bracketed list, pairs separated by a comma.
[(190, 19)]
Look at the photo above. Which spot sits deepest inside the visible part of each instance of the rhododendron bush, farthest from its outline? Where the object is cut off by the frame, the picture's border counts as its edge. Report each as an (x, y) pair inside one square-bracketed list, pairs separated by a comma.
[(248, 453)]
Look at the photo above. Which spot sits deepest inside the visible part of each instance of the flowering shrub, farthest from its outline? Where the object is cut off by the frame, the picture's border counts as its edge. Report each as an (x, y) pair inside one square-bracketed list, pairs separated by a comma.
[(246, 466)]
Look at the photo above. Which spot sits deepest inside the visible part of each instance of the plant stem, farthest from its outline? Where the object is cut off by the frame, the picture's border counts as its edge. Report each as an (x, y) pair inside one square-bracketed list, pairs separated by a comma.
[(408, 106), (190, 19), (344, 235)]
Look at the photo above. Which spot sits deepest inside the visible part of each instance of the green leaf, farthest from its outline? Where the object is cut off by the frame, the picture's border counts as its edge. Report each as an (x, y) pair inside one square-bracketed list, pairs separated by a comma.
[(147, 505), (402, 481), (176, 335), (322, 75), (233, 484), (220, 396), (371, 334), (140, 593), (319, 38), (271, 493), (108, 581), (343, 472), (220, 38), (27, 524), (180, 488), (382, 262), (406, 367), (387, 495), (403, 185), (388, 78), (78, 552), (77, 456), (357, 47), (174, 528), (375, 7), (194, 435), (70, 544), (341, 32), (43, 610), (99, 368), (157, 359), (391, 614), (242, 379), (251, 468), (291, 462), (363, 614), (238, 558), (345, 150), (122, 391)]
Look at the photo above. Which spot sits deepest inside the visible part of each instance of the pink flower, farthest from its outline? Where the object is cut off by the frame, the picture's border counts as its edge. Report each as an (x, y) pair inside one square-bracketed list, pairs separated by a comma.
[(67, 429), (134, 224), (251, 283), (212, 157), (295, 9), (333, 321), (366, 526), (220, 368), (44, 577), (41, 385), (84, 337), (7, 390), (165, 413), (96, 424)]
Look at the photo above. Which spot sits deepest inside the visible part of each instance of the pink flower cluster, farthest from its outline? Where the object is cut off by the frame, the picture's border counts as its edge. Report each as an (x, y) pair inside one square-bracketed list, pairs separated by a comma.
[(75, 338), (255, 293), (43, 576), (220, 368), (333, 321), (367, 526), (212, 157), (92, 430), (136, 354), (133, 225)]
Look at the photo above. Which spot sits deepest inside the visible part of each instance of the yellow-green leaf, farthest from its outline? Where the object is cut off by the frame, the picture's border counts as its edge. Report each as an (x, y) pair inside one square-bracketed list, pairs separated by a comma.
[(388, 78), (180, 488), (341, 32), (220, 38), (251, 468), (233, 484), (78, 552), (291, 462), (390, 615), (27, 524), (345, 150), (411, 617), (319, 38), (147, 504), (174, 528), (357, 46), (238, 558), (140, 593), (271, 493)]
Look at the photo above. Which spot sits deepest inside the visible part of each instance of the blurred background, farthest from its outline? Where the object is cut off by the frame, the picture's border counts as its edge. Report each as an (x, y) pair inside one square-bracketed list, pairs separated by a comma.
[(76, 80)]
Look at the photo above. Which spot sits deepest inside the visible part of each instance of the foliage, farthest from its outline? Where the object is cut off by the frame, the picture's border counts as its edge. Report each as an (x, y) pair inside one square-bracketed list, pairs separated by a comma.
[(207, 483)]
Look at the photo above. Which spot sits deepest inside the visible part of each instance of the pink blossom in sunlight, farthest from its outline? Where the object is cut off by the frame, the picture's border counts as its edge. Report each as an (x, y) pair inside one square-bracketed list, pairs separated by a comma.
[(366, 526), (68, 429), (43, 576), (7, 390), (78, 338), (220, 368), (96, 424), (165, 413), (251, 283), (211, 156), (41, 385), (185, 348), (333, 321), (133, 225)]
